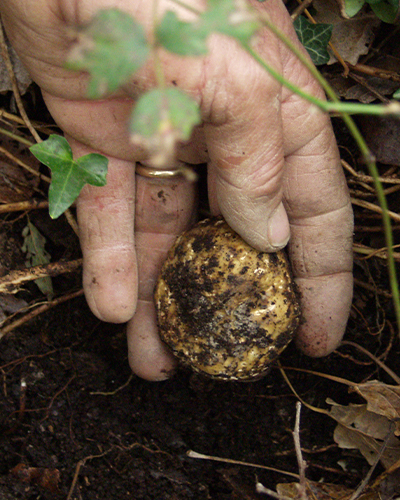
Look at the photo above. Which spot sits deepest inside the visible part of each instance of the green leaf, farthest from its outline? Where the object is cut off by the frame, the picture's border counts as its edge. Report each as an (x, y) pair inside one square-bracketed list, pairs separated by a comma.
[(315, 38), (34, 248), (226, 17), (181, 37), (161, 119), (68, 175), (110, 48), (352, 7), (387, 11), (396, 95), (222, 16), (165, 110)]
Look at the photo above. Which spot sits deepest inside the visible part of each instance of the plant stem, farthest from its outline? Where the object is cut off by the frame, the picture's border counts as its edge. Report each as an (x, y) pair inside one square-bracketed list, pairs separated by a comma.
[(334, 106), (189, 8), (159, 73), (353, 129), (16, 137)]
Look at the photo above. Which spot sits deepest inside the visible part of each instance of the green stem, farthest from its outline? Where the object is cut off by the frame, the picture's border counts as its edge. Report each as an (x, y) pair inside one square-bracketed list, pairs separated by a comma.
[(328, 106), (18, 138), (189, 8), (343, 110), (159, 73)]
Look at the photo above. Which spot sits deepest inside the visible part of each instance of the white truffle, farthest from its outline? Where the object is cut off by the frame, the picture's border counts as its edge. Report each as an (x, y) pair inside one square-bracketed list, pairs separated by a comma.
[(224, 308)]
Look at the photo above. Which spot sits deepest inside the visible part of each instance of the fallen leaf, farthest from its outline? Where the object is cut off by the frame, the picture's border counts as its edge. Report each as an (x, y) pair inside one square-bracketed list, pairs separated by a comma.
[(34, 247), (385, 487), (16, 184), (389, 486), (315, 39), (44, 477), (361, 429), (10, 304), (351, 37), (21, 75), (322, 491), (382, 399), (382, 136)]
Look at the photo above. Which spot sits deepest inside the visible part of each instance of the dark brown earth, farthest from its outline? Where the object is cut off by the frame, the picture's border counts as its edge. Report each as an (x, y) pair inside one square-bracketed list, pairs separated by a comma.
[(82, 427)]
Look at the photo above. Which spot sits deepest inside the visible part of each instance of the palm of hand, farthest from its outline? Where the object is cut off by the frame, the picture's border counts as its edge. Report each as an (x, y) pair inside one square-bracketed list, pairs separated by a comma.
[(261, 144)]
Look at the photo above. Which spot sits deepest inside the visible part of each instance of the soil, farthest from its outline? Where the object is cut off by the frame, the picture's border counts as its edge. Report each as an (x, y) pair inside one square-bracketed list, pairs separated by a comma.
[(97, 432), (75, 424)]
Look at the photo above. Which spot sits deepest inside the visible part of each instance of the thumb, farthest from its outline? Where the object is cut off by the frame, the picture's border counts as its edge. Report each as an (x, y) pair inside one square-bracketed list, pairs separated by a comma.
[(245, 180)]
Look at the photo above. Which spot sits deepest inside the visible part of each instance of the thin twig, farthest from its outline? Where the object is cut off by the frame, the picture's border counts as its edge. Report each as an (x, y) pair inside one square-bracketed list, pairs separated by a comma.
[(16, 137), (368, 178), (39, 310), (377, 72), (194, 454), (118, 389), (300, 9), (260, 488), (72, 221), (375, 208), (365, 481), (11, 282), (301, 463), (23, 206), (382, 365), (373, 289), (24, 165), (80, 464), (374, 252), (17, 95), (10, 116)]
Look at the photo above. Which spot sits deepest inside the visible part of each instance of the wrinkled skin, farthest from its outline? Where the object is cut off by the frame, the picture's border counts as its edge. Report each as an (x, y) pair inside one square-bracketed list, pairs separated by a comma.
[(263, 145)]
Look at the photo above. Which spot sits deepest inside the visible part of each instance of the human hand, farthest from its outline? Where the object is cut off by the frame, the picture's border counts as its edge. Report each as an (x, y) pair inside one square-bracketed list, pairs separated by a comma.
[(262, 144)]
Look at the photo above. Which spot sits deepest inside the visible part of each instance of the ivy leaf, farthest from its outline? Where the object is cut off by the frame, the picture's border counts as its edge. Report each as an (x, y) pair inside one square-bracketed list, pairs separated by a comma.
[(110, 48), (181, 37), (222, 16), (387, 10), (315, 38), (352, 7), (160, 120), (231, 18), (34, 248), (396, 95), (68, 175)]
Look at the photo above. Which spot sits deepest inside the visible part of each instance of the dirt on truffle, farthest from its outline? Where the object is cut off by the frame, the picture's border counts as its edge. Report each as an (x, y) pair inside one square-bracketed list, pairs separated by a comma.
[(224, 308)]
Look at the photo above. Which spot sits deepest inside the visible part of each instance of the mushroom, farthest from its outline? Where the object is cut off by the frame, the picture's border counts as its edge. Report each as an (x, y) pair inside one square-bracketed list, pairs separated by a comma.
[(224, 308)]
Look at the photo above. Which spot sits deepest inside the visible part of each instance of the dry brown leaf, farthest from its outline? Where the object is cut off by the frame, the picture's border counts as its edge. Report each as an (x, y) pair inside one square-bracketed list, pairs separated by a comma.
[(15, 183), (314, 490), (21, 75), (361, 429), (349, 90), (351, 37), (385, 487), (382, 136), (46, 478), (382, 399)]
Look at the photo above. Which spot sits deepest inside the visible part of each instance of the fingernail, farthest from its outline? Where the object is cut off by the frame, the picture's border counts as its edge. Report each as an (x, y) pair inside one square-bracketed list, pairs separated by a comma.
[(278, 228)]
